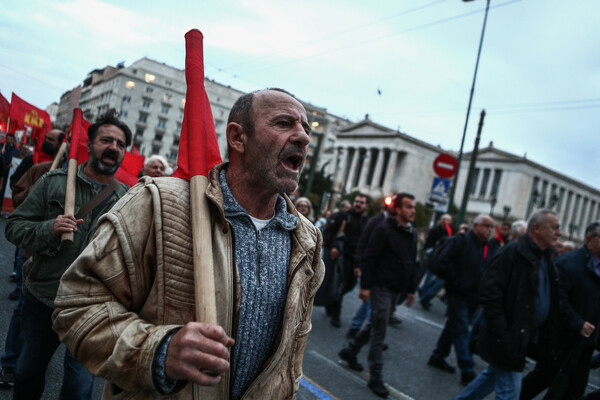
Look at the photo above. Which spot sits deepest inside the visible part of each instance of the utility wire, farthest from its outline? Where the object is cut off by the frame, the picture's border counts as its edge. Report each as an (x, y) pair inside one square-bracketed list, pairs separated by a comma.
[(332, 35), (426, 25)]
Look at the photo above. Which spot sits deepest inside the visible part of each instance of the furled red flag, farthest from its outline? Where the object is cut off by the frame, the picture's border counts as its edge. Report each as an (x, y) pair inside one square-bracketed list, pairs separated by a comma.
[(198, 146), (23, 114), (4, 110), (77, 133), (498, 235), (130, 168)]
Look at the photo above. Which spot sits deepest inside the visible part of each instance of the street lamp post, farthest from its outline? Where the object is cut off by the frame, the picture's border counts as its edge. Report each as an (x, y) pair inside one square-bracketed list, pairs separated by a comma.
[(462, 142)]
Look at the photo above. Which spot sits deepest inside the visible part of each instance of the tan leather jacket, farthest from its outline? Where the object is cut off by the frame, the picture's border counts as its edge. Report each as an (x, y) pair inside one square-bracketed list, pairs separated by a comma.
[(134, 284)]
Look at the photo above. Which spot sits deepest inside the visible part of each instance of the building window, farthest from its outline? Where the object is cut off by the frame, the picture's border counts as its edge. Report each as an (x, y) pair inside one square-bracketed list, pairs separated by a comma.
[(123, 114), (180, 113), (474, 180), (496, 182), (168, 83), (162, 122), (126, 99), (176, 141), (167, 97), (130, 84), (155, 149), (149, 89), (218, 124), (145, 104), (484, 182), (150, 78), (143, 117), (139, 133), (158, 136), (165, 109)]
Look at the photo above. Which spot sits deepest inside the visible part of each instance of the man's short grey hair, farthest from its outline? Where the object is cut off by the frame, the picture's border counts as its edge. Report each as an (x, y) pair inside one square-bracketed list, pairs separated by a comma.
[(480, 218), (518, 229), (539, 217), (593, 229)]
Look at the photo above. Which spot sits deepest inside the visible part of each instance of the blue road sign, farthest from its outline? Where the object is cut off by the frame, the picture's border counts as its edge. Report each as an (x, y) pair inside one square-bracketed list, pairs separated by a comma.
[(440, 187)]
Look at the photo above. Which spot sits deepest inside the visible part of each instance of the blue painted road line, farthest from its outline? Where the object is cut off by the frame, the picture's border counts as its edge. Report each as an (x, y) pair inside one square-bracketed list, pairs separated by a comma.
[(315, 389)]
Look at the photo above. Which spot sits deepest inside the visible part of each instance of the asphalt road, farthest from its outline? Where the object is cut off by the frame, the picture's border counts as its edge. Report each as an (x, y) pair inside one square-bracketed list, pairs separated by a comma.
[(325, 378)]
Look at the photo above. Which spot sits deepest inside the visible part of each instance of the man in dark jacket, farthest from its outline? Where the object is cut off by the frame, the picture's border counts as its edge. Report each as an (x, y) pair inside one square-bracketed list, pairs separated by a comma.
[(579, 286), (462, 262), (350, 223), (389, 268), (519, 296)]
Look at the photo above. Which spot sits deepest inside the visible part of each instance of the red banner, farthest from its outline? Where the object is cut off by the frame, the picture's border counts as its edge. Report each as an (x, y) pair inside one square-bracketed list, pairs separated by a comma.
[(130, 168), (24, 114), (198, 146), (4, 111)]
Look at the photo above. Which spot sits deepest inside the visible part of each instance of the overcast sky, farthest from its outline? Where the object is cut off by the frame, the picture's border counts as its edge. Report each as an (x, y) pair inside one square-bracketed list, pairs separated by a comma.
[(408, 64)]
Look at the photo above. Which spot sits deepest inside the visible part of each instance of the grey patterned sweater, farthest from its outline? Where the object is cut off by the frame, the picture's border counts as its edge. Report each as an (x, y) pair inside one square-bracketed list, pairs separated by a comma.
[(262, 259)]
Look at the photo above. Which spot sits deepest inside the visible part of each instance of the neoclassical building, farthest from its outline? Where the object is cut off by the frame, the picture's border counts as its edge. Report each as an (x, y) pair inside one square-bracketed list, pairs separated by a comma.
[(378, 161)]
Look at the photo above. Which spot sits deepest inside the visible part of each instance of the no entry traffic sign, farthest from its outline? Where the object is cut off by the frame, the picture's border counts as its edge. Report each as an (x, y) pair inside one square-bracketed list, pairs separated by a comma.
[(445, 166)]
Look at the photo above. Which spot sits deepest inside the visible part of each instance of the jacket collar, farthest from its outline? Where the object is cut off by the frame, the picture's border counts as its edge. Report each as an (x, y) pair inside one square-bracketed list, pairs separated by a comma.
[(531, 251), (232, 208)]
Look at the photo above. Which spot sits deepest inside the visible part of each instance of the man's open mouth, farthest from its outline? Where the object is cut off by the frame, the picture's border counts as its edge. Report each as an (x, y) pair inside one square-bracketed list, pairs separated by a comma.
[(293, 162)]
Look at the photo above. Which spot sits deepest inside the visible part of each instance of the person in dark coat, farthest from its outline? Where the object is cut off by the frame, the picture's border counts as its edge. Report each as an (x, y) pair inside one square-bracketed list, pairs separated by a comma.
[(519, 296), (580, 313), (461, 263), (347, 226), (389, 268)]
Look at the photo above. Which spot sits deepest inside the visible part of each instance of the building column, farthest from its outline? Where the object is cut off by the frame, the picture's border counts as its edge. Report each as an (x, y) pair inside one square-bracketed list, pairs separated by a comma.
[(378, 170), (353, 170), (390, 172), (340, 163), (364, 172)]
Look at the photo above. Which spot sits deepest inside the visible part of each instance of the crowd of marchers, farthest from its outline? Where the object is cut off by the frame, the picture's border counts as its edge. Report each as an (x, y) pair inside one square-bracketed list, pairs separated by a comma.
[(122, 294), (512, 291)]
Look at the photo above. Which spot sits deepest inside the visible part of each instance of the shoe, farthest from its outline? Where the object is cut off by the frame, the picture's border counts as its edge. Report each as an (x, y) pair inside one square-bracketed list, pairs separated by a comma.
[(440, 363), (335, 322), (350, 360), (395, 321), (7, 378), (14, 295), (378, 388), (466, 377), (425, 306), (351, 333), (12, 277)]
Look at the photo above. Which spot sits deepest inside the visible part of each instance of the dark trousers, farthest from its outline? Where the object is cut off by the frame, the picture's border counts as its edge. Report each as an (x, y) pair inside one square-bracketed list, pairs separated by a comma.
[(382, 304), (14, 340), (39, 344), (456, 332), (349, 281), (544, 373)]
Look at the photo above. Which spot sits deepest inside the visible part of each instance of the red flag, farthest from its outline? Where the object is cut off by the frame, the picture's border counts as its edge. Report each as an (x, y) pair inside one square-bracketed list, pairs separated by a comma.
[(78, 137), (198, 146), (4, 111), (24, 114), (130, 168)]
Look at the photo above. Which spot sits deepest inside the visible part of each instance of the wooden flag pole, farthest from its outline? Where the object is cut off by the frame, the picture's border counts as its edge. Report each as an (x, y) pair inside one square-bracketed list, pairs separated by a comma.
[(204, 275), (59, 156), (67, 237)]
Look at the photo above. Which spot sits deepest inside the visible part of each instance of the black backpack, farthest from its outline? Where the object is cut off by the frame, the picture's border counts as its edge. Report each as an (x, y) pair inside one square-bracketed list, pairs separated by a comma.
[(432, 256)]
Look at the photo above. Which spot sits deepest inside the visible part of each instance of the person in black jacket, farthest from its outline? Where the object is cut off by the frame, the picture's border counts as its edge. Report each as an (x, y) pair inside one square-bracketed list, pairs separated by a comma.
[(389, 268), (579, 286), (347, 225), (519, 296), (461, 263)]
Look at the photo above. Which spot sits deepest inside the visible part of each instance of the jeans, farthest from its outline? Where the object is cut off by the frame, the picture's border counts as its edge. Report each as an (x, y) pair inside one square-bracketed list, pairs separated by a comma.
[(456, 332), (39, 344), (362, 313), (506, 384), (382, 303), (431, 287), (14, 340)]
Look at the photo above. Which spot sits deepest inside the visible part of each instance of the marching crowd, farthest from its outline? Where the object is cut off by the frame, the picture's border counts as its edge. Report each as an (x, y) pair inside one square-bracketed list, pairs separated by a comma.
[(121, 295), (511, 291)]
